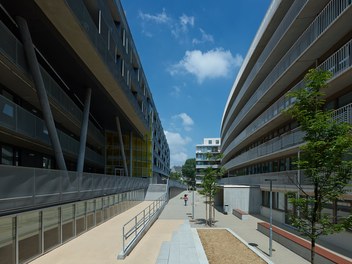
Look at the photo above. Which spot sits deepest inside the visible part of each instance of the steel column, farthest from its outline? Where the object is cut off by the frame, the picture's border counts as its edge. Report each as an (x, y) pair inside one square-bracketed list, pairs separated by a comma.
[(131, 152), (84, 130), (121, 145), (42, 95)]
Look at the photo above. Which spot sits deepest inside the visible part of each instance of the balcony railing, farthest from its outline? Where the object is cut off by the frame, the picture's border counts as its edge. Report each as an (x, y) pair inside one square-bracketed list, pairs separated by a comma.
[(277, 144), (19, 120), (327, 16), (107, 53), (27, 188), (337, 63), (343, 114), (279, 33), (13, 49), (282, 178)]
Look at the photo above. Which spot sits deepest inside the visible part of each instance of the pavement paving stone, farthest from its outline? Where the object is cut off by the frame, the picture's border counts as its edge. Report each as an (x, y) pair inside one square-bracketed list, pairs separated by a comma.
[(102, 244)]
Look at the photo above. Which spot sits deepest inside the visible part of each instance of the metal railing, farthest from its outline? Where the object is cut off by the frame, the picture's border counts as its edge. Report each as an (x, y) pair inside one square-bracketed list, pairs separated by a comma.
[(19, 120), (29, 188), (13, 50), (285, 141), (133, 230), (327, 16), (337, 63), (100, 41), (279, 33)]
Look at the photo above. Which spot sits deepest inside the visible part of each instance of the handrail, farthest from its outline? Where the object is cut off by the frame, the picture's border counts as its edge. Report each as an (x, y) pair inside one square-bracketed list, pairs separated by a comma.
[(133, 230)]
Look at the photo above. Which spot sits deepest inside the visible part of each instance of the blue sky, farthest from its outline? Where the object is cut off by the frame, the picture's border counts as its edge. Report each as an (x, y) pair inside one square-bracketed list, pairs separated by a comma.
[(191, 52)]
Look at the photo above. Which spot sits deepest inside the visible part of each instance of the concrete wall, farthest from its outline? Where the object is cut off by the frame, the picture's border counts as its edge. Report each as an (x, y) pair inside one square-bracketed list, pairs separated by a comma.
[(245, 198), (278, 216)]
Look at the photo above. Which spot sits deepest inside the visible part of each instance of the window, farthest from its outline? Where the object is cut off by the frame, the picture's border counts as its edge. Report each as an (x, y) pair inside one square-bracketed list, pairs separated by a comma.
[(8, 110), (210, 142), (7, 155), (122, 68)]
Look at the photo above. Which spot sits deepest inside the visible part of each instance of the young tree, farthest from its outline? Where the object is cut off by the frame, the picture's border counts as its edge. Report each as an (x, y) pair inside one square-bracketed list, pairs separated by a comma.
[(325, 160), (209, 190), (189, 171), (174, 175)]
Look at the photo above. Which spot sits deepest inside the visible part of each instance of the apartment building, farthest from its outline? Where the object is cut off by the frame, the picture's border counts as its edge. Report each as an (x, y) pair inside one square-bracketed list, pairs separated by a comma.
[(76, 112), (207, 155), (258, 141)]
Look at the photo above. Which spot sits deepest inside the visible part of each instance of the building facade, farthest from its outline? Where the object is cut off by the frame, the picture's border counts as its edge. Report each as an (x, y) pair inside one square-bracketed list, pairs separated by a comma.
[(76, 112), (258, 140), (96, 97), (207, 155)]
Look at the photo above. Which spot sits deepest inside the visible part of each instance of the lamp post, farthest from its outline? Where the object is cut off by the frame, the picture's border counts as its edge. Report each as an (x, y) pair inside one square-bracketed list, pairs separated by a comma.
[(193, 187), (271, 217)]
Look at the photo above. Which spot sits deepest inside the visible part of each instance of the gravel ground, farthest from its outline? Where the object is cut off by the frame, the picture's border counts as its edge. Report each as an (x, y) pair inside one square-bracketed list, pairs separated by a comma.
[(221, 247)]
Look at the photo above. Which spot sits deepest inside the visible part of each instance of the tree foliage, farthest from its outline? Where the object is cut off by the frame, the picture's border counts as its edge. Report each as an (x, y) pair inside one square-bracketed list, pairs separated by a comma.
[(209, 189), (175, 175), (325, 159), (189, 171)]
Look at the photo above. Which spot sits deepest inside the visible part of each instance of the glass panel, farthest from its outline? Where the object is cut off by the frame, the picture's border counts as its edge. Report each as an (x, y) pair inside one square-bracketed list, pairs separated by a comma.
[(7, 240), (80, 217), (67, 221), (29, 236), (7, 155), (90, 206), (51, 225)]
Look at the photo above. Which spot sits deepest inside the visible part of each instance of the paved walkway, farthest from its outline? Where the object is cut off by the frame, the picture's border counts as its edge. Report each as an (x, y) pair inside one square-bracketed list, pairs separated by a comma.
[(247, 230), (103, 243)]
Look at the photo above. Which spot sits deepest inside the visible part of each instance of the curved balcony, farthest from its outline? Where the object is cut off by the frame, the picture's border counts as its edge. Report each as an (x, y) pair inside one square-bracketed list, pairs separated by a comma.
[(323, 23), (338, 63), (280, 34), (275, 147), (284, 144)]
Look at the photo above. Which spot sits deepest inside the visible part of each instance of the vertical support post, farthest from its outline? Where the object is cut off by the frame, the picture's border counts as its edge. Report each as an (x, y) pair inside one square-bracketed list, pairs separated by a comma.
[(121, 145), (193, 203), (84, 130), (298, 180), (123, 239), (271, 220), (131, 153), (17, 247), (271, 217), (42, 95)]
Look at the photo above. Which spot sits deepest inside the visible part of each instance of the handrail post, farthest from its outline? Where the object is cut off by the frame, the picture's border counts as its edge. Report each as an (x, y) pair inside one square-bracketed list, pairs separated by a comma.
[(135, 226), (143, 217), (123, 238)]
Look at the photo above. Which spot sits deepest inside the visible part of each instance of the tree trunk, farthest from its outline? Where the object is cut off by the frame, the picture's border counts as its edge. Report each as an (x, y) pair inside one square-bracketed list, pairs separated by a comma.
[(334, 211), (206, 210), (210, 215), (312, 251)]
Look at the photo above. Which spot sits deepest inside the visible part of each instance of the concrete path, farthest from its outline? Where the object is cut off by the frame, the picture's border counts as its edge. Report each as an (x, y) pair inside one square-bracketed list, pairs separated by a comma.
[(103, 243), (247, 230), (98, 245)]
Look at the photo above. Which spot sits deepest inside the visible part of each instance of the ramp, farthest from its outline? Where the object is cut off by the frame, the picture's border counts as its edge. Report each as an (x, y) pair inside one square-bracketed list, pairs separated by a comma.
[(155, 191)]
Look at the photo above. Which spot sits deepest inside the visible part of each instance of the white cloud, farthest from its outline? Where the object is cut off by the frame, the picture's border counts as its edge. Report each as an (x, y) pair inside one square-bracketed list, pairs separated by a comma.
[(209, 65), (176, 91), (161, 18), (187, 121), (186, 20), (178, 150), (178, 27), (182, 26), (205, 38)]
